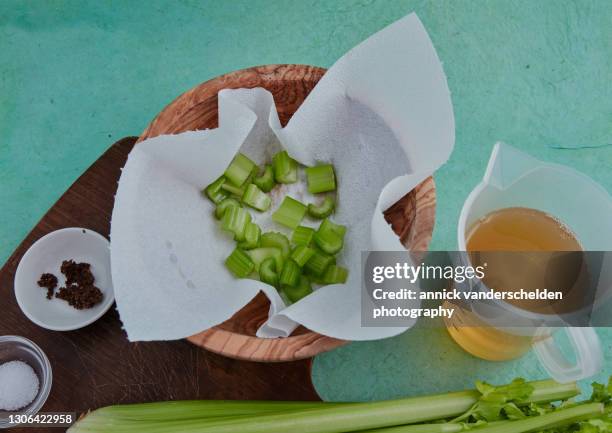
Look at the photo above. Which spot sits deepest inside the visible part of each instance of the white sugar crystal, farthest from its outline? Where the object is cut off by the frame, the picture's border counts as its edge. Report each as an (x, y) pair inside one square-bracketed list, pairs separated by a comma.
[(18, 385)]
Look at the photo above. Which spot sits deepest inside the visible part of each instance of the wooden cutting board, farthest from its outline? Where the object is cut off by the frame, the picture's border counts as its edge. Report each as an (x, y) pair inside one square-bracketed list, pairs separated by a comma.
[(96, 366)]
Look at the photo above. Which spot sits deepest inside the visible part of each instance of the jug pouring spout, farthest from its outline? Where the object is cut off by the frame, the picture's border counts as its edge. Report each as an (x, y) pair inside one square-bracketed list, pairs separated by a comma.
[(507, 164)]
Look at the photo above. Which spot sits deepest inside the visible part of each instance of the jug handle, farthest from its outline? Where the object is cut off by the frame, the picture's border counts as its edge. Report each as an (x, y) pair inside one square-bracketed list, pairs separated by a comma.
[(587, 348)]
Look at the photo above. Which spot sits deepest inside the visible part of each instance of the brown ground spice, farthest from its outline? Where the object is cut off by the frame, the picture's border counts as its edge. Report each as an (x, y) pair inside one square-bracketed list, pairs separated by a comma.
[(77, 273), (80, 297), (79, 291), (49, 282)]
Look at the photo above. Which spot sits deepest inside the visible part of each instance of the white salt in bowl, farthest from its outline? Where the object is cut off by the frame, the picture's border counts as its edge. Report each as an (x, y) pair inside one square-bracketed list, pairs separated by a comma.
[(15, 348)]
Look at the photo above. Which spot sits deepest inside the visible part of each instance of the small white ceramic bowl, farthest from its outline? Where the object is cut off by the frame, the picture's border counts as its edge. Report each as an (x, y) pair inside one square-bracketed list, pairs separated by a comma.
[(47, 255)]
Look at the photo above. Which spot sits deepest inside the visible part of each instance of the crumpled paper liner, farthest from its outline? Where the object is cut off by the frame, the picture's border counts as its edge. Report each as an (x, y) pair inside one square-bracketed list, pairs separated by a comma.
[(382, 115)]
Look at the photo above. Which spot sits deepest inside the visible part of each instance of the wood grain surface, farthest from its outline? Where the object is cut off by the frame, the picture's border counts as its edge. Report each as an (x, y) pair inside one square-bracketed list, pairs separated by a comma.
[(412, 217), (96, 366)]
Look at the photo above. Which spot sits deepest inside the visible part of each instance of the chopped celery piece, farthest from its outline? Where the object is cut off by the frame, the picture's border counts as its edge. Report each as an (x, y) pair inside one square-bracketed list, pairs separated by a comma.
[(299, 291), (328, 225), (256, 198), (302, 235), (329, 241), (290, 213), (224, 205), (290, 274), (258, 255), (234, 190), (214, 191), (318, 263), (239, 170), (335, 274), (252, 234), (323, 210), (301, 254), (235, 220), (276, 240), (239, 263), (268, 273), (265, 182), (285, 168), (321, 178)]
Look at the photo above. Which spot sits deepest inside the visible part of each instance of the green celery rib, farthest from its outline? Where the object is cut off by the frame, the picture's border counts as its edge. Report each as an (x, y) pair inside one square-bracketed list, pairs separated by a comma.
[(256, 198), (299, 291), (335, 275), (235, 220), (234, 190), (239, 169), (191, 409), (239, 263), (290, 213), (268, 273), (329, 225), (252, 235), (558, 418), (301, 254), (321, 418), (328, 241), (214, 191), (265, 182), (290, 275), (276, 240), (302, 235), (224, 205), (285, 168), (320, 178), (420, 428), (318, 263), (258, 255), (323, 210)]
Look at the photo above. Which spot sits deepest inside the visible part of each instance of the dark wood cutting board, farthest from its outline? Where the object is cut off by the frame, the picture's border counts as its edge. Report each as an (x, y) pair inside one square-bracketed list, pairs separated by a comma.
[(97, 366)]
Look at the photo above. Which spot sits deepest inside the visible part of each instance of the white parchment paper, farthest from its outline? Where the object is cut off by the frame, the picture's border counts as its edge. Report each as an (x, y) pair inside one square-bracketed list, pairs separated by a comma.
[(382, 115)]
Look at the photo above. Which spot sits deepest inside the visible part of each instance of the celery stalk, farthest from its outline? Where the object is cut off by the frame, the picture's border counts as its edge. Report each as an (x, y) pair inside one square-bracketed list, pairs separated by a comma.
[(290, 213), (265, 182), (547, 421), (276, 240), (285, 168), (234, 190), (320, 178), (290, 275), (268, 272), (322, 210), (328, 241), (322, 417), (239, 263), (235, 220), (258, 255), (301, 254), (224, 205), (335, 275), (252, 235), (318, 263), (214, 191), (299, 291), (239, 169), (256, 198), (302, 235), (191, 409)]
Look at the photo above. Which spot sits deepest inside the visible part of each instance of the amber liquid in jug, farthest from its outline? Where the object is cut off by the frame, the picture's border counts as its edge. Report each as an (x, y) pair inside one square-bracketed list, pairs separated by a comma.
[(508, 229)]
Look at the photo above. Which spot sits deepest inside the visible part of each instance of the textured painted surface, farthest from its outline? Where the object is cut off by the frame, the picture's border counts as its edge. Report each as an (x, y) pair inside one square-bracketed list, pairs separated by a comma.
[(76, 76)]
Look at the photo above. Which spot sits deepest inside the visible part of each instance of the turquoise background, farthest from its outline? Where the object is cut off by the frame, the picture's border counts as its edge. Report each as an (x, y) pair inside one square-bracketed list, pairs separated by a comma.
[(76, 76)]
